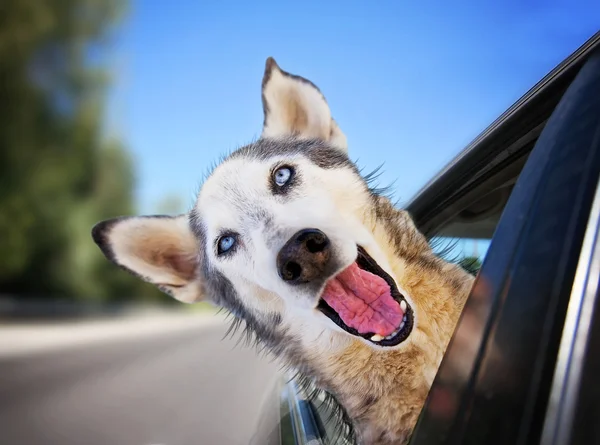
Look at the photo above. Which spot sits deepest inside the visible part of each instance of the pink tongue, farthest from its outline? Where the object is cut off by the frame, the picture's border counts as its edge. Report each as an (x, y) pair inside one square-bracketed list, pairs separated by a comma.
[(363, 301)]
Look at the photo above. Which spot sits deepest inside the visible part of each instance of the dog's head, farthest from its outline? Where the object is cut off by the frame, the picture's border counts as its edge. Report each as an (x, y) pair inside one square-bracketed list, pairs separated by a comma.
[(282, 233)]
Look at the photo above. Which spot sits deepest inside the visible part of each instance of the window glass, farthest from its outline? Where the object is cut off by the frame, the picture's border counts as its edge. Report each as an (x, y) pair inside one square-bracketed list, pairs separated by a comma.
[(468, 252)]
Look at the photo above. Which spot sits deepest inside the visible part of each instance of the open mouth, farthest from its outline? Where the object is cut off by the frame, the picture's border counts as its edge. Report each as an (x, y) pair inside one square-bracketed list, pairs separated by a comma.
[(364, 301)]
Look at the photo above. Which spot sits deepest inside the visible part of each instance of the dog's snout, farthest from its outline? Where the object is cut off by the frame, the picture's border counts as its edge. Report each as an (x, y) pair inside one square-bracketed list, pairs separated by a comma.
[(304, 257)]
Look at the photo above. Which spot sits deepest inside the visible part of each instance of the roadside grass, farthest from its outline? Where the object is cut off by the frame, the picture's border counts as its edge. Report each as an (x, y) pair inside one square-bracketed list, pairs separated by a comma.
[(201, 307)]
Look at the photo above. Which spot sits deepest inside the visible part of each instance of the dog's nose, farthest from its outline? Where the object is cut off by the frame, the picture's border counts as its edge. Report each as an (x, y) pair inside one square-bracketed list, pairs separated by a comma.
[(304, 257)]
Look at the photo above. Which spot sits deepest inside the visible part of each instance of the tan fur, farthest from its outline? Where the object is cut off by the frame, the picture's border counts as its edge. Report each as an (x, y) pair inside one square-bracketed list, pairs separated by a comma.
[(383, 390), (295, 116), (151, 249), (290, 103)]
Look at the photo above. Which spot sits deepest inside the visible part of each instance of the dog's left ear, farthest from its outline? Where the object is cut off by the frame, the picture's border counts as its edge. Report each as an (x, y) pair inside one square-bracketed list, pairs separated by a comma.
[(294, 106)]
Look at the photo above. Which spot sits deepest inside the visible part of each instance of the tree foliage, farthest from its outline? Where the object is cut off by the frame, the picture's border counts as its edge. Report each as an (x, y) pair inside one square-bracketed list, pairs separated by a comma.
[(170, 205), (58, 173), (471, 264)]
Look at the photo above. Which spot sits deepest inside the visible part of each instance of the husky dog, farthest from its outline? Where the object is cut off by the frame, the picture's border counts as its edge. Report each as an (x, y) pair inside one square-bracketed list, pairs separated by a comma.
[(333, 279)]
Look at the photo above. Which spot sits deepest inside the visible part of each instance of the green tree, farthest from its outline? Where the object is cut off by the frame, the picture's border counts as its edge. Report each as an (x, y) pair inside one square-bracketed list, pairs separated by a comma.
[(58, 174), (170, 205), (471, 264)]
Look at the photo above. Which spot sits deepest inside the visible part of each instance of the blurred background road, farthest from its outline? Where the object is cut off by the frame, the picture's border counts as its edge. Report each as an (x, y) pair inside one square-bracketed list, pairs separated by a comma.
[(135, 380)]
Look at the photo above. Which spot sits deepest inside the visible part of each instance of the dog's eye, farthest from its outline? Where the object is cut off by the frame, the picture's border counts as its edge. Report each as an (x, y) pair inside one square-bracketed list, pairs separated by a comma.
[(225, 243), (282, 176)]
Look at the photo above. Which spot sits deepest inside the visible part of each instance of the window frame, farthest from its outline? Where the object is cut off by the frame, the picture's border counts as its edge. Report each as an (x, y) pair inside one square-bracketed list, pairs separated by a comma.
[(518, 277)]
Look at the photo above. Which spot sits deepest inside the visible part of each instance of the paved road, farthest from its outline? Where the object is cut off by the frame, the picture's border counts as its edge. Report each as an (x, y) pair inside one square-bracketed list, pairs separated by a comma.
[(181, 386)]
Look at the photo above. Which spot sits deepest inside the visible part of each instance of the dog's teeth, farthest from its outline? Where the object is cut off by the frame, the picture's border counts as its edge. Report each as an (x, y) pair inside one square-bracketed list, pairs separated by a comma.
[(376, 337), (401, 325), (404, 318), (403, 305), (393, 334)]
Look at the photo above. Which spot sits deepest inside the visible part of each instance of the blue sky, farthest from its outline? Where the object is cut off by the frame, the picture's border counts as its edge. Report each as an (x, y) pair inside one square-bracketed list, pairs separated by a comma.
[(410, 83)]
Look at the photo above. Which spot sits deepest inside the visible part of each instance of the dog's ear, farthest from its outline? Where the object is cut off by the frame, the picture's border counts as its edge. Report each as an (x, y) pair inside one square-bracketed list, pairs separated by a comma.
[(294, 106), (161, 250)]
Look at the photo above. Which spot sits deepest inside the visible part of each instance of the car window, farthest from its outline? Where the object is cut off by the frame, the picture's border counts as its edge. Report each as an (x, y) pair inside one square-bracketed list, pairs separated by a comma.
[(469, 252), (466, 236)]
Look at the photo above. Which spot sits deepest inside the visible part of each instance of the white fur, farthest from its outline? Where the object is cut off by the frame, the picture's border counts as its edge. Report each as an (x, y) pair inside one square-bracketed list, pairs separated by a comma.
[(326, 200), (332, 200)]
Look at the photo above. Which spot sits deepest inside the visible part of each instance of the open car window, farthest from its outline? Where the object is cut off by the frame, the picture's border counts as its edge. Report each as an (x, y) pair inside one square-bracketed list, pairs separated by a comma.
[(464, 202)]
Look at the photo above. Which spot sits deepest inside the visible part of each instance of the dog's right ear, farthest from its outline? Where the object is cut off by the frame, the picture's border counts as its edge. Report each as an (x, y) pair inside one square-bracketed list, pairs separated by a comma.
[(294, 106), (161, 250)]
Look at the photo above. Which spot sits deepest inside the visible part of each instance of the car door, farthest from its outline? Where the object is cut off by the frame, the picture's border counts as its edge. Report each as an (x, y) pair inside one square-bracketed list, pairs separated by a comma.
[(512, 373)]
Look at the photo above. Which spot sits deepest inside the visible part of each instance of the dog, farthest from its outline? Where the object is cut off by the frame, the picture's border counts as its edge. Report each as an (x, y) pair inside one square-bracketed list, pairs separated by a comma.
[(332, 278)]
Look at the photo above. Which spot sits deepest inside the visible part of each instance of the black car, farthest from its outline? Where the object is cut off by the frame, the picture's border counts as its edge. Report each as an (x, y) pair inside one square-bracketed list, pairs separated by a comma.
[(522, 365)]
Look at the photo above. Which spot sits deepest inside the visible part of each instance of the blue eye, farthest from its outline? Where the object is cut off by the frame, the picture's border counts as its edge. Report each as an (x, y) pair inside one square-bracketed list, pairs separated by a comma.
[(225, 243), (282, 176)]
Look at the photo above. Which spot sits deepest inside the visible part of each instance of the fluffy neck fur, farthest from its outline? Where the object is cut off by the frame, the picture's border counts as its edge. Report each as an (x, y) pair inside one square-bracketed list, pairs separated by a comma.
[(383, 391)]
